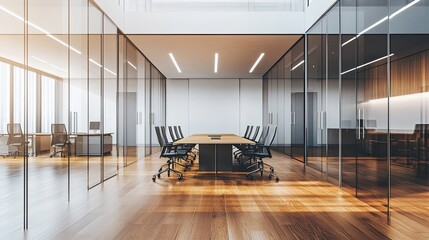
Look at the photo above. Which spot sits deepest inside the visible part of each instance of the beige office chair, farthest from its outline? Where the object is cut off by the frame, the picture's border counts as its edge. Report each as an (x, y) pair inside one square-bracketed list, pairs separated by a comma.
[(59, 138), (15, 139)]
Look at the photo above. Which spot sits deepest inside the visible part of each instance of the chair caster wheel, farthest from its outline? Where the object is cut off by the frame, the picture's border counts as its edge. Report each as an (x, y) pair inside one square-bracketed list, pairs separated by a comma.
[(277, 179), (160, 169), (154, 178), (159, 176), (180, 178), (272, 170), (269, 177)]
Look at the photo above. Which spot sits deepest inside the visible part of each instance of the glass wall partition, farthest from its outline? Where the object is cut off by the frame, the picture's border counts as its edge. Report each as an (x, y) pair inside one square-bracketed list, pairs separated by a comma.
[(110, 148), (92, 145), (297, 100), (12, 171), (323, 94), (60, 131), (409, 108)]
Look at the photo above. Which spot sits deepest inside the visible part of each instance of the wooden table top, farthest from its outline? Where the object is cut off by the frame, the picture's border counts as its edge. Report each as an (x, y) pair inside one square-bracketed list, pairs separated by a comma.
[(219, 139)]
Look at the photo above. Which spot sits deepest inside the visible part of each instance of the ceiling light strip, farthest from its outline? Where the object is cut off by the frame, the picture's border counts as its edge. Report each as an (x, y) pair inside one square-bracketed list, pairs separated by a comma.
[(175, 63), (99, 65), (38, 28), (382, 20), (366, 64), (256, 63), (216, 62), (299, 64), (132, 65)]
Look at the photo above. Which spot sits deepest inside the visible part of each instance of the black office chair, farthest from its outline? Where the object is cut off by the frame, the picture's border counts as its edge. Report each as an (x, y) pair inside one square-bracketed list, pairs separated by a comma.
[(258, 153), (168, 151), (176, 131), (190, 156), (172, 135), (194, 149), (59, 138), (249, 133), (245, 159), (15, 138)]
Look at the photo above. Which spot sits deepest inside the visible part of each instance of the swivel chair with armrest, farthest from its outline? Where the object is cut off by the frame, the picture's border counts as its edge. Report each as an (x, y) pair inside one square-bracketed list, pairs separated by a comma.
[(258, 153), (189, 159), (243, 160), (170, 152), (15, 138), (59, 139)]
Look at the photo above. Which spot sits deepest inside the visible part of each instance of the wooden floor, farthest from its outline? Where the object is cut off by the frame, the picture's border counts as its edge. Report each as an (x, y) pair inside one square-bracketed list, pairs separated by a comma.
[(202, 206)]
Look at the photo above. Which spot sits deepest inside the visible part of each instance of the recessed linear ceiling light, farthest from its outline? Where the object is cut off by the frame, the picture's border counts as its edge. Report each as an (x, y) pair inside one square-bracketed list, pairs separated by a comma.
[(38, 28), (382, 20), (366, 64), (256, 63), (175, 63), (216, 62), (99, 65), (132, 65), (299, 64)]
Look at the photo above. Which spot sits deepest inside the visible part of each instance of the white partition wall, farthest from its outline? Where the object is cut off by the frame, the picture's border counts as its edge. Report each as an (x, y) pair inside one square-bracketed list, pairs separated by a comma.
[(214, 105), (250, 103)]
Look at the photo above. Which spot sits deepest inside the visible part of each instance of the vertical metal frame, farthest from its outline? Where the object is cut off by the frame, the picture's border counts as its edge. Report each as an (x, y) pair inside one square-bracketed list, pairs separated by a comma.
[(26, 196)]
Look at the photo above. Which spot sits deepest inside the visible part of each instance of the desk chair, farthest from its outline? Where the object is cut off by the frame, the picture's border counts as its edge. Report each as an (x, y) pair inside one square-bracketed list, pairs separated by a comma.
[(59, 138), (179, 147), (170, 152), (249, 133), (194, 149), (258, 153), (15, 138), (244, 160)]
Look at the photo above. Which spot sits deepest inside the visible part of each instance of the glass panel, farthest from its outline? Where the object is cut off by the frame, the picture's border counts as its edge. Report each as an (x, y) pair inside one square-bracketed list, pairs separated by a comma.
[(110, 62), (332, 111), (372, 113), (281, 131), (92, 141), (131, 103), (140, 107), (122, 84), (297, 99), (409, 108), (155, 106), (148, 110), (288, 106), (348, 96), (48, 55), (316, 96), (77, 103), (11, 169)]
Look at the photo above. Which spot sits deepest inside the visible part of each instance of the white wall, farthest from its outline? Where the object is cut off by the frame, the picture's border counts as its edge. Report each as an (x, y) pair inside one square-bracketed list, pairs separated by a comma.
[(214, 105)]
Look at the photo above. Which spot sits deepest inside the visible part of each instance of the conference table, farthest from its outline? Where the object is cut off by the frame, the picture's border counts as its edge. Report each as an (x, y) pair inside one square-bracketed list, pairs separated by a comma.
[(215, 150)]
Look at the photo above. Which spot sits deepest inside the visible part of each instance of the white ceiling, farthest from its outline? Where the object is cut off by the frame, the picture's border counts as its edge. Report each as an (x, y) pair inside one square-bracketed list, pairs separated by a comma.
[(195, 53)]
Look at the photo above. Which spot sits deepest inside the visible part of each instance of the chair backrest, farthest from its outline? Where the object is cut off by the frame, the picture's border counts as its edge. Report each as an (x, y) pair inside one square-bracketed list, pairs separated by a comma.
[(264, 135), (170, 130), (164, 134), (15, 135), (59, 133), (176, 131), (180, 131), (256, 133), (159, 137), (269, 140), (247, 131)]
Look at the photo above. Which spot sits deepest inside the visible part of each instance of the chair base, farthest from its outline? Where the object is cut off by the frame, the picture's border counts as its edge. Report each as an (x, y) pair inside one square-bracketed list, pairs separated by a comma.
[(261, 169), (168, 170)]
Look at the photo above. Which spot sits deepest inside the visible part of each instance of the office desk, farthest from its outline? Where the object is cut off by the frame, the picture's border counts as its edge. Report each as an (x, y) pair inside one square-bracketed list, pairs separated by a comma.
[(215, 150), (89, 144)]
